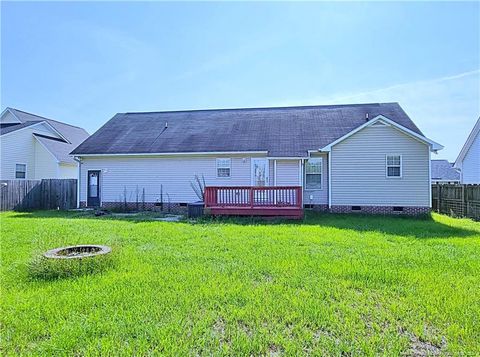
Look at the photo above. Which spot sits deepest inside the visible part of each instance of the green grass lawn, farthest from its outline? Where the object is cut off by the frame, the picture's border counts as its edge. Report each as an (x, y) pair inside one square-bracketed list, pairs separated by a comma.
[(332, 284)]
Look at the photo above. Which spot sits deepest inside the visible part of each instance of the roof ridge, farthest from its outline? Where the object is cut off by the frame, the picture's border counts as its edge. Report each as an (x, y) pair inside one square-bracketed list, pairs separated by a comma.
[(261, 108), (45, 118)]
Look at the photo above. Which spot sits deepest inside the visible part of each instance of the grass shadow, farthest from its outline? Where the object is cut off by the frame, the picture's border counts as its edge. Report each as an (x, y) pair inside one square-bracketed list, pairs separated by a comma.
[(423, 227)]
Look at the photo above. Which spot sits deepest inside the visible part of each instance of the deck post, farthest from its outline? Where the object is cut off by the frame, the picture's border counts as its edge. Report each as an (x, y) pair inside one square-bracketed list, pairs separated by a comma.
[(251, 197)]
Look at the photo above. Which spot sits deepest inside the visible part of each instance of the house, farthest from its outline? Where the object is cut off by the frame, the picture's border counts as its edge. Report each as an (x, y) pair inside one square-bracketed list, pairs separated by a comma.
[(342, 158), (34, 147), (468, 161), (443, 172)]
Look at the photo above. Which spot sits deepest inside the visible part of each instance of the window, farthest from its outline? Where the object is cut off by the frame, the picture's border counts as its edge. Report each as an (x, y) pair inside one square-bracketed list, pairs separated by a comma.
[(223, 167), (20, 171), (394, 166), (313, 174)]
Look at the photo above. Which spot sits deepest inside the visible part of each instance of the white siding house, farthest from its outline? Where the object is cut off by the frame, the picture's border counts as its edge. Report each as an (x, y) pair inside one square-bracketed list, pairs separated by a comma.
[(33, 147), (335, 155), (359, 169), (468, 161), (122, 174)]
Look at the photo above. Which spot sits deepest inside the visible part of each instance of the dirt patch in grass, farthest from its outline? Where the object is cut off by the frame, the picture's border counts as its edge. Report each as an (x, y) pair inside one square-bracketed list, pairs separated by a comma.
[(420, 347), (275, 350)]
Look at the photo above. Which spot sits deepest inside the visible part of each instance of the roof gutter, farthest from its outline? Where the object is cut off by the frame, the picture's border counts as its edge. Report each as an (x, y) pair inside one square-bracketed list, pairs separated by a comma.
[(175, 153)]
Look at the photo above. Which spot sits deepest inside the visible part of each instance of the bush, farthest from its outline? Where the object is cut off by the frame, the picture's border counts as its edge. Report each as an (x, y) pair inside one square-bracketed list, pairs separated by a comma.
[(49, 269)]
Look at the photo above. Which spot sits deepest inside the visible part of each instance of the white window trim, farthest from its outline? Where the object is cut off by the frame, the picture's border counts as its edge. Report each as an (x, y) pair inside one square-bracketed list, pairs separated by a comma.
[(386, 166), (26, 170), (321, 174), (229, 167)]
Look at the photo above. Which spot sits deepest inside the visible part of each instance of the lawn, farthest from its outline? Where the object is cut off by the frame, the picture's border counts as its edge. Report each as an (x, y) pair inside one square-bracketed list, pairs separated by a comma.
[(329, 285)]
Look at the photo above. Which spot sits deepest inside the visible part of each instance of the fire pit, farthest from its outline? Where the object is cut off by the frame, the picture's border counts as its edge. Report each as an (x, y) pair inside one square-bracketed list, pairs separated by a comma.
[(77, 252)]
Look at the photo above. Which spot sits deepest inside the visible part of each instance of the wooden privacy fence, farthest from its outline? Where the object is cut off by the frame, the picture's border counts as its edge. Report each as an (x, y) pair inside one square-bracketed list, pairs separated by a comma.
[(38, 194), (457, 200)]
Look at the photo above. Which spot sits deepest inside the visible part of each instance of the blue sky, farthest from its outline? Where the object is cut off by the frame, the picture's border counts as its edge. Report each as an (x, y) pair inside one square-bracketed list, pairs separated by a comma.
[(83, 62)]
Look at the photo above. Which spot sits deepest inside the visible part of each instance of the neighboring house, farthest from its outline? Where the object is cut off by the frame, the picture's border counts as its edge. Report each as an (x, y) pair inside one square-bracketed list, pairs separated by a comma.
[(468, 161), (361, 157), (34, 147), (443, 172)]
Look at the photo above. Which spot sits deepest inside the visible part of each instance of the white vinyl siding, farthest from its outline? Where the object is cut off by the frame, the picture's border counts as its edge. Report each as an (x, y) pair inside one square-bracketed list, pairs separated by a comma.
[(358, 169), (46, 166), (9, 118), (22, 147), (17, 148), (288, 173), (67, 171), (318, 196), (174, 173), (471, 163)]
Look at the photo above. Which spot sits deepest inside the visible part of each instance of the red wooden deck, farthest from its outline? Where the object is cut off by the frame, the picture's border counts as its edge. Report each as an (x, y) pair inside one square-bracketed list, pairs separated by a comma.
[(283, 201)]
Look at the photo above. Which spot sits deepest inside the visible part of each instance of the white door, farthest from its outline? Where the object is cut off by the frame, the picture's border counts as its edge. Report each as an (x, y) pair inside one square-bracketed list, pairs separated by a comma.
[(260, 172), (260, 178)]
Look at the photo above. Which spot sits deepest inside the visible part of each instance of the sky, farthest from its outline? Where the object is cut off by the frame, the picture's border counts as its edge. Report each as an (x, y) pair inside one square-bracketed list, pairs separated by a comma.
[(82, 62)]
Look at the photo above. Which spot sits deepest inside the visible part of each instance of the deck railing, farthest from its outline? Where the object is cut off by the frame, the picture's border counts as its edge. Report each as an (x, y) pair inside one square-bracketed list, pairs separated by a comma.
[(254, 196)]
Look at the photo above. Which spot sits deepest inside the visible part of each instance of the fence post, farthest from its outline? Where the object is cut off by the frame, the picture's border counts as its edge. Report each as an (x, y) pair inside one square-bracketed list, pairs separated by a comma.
[(439, 200)]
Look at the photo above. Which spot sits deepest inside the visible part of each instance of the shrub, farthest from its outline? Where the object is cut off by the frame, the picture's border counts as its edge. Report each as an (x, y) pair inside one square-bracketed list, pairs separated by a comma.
[(49, 269)]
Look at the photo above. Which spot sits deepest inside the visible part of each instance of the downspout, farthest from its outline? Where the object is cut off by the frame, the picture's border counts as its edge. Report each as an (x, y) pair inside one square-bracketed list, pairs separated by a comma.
[(302, 175), (330, 180), (430, 177), (78, 179)]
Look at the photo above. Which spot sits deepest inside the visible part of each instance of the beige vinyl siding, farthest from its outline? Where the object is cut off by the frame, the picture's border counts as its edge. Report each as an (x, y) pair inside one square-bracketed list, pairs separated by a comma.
[(318, 197), (287, 173), (471, 163), (359, 171), (175, 174), (46, 166), (17, 148)]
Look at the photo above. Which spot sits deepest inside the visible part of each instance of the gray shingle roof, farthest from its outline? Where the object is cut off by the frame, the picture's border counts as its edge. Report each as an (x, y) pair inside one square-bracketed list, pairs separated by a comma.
[(290, 131), (15, 127), (443, 170), (61, 150)]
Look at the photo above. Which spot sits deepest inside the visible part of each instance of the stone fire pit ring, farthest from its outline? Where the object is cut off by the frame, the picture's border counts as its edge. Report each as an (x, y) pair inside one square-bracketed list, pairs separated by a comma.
[(77, 251)]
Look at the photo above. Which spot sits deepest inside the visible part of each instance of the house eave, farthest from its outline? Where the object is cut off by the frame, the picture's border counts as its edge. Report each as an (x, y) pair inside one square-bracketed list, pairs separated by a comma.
[(173, 153), (434, 146)]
